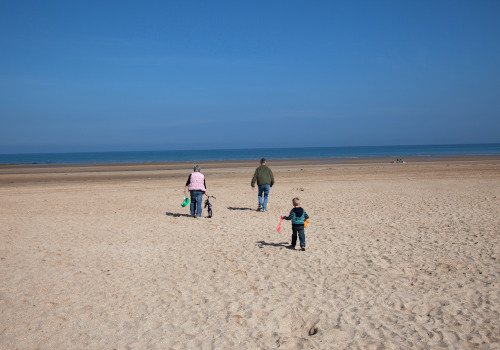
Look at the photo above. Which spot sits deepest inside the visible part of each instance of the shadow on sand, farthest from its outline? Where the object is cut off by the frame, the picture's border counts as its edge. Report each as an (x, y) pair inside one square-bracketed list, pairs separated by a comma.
[(176, 215), (262, 244), (235, 208)]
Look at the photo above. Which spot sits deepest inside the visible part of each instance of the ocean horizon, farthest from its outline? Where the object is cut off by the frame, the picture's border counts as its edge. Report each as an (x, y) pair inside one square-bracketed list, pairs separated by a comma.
[(250, 153)]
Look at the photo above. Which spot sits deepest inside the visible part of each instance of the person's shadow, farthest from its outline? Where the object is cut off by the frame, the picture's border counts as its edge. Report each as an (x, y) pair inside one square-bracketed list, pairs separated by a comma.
[(176, 215), (262, 244), (236, 208)]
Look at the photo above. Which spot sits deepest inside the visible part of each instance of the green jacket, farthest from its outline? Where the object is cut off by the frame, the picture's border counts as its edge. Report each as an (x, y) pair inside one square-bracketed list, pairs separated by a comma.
[(263, 175)]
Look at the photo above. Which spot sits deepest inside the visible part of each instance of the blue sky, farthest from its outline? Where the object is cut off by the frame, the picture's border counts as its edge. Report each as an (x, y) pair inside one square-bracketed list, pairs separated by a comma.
[(160, 75)]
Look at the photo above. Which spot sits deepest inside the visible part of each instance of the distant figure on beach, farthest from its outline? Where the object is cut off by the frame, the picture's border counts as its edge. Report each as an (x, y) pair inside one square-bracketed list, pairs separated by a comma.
[(197, 187), (265, 180), (298, 217)]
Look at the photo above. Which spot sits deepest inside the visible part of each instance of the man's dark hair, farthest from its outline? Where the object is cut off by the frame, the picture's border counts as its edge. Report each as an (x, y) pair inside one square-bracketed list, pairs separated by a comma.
[(263, 160)]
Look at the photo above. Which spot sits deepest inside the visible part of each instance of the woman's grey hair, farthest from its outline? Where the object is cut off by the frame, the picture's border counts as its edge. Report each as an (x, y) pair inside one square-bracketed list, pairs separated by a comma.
[(197, 168)]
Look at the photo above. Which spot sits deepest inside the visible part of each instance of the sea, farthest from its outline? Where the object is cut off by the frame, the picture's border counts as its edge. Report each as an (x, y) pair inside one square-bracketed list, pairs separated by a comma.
[(83, 158)]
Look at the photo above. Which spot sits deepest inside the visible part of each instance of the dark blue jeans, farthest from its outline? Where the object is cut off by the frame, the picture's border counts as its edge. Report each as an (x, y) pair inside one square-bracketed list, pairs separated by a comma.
[(302, 236), (263, 190), (196, 199)]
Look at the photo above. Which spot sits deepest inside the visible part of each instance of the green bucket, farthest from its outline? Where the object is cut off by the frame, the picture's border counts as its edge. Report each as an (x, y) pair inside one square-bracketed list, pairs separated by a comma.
[(185, 202)]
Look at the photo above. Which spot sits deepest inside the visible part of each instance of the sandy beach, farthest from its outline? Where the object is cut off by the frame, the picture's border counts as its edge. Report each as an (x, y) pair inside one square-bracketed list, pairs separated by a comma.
[(398, 256)]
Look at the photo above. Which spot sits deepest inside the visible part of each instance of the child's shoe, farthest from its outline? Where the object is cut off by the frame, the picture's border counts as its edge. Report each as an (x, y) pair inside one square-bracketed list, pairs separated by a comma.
[(303, 249)]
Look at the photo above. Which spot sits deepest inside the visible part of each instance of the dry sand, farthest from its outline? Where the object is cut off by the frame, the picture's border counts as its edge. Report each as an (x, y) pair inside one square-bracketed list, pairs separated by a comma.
[(398, 256)]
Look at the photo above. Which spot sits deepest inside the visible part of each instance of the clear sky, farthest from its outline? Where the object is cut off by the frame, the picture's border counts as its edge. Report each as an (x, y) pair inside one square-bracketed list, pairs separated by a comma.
[(160, 75)]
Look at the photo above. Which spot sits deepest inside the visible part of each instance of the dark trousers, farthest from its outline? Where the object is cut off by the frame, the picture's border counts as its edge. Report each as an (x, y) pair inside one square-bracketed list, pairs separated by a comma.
[(302, 236)]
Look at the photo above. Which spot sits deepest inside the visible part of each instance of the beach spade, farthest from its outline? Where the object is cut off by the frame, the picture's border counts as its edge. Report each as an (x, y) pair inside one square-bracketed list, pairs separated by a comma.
[(185, 201), (279, 225)]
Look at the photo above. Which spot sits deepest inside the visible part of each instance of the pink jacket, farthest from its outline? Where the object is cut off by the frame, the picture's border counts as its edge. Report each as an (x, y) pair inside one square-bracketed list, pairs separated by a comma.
[(197, 182)]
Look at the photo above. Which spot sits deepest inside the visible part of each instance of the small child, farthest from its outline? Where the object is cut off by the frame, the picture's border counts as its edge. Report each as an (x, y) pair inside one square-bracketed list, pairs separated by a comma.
[(298, 216)]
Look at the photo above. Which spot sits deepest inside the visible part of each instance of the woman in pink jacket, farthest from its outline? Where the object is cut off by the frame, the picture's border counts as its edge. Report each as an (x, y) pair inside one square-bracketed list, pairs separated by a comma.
[(197, 187)]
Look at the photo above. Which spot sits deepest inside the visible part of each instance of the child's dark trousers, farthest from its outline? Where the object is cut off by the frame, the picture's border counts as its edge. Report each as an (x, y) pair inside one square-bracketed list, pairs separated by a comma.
[(302, 236)]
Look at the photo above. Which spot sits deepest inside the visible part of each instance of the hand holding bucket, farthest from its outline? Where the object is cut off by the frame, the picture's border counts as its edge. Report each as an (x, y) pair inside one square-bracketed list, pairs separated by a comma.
[(185, 202)]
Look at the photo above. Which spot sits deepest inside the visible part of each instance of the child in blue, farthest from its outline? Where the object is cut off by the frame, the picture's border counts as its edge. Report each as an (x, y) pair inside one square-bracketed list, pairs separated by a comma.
[(298, 216)]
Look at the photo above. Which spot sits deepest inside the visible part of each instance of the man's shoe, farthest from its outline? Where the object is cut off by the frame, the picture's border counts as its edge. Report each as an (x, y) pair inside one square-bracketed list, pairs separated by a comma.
[(291, 247), (303, 249), (259, 208)]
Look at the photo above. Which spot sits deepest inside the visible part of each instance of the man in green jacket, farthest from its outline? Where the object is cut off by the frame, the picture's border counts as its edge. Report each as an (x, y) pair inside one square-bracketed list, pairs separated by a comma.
[(265, 180)]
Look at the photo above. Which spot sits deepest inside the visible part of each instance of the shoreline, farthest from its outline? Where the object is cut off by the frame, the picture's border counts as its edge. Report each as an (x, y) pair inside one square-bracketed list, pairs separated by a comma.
[(249, 162), (28, 174)]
